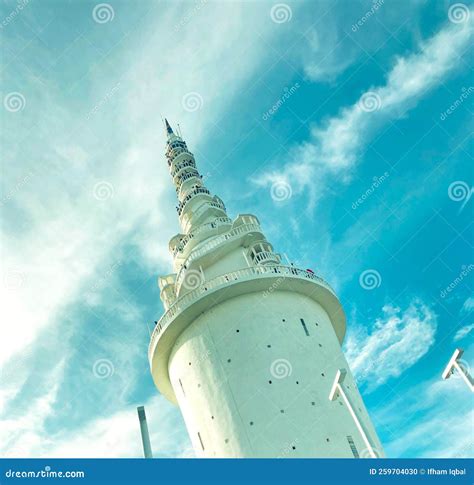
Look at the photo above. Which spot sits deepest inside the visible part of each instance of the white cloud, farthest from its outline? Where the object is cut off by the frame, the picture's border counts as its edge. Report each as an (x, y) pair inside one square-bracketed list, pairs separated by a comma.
[(69, 231), (396, 342), (115, 436), (468, 305), (118, 436), (327, 55), (463, 332), (22, 429), (430, 419), (335, 147), (57, 238), (335, 41)]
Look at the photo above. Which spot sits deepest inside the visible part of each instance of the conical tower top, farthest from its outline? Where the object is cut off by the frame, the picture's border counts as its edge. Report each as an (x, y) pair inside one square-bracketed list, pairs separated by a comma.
[(169, 130)]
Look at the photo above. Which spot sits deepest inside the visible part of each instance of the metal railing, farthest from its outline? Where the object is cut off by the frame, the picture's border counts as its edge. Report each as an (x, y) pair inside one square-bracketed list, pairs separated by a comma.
[(189, 219), (223, 280), (202, 208), (266, 257), (175, 152), (186, 176), (194, 192), (179, 166), (203, 227)]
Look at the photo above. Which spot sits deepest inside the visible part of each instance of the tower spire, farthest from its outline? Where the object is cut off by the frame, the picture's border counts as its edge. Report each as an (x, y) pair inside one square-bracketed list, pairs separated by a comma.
[(228, 294), (169, 130)]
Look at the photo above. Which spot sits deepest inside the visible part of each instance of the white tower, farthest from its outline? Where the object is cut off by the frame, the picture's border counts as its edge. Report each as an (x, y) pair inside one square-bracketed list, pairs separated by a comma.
[(249, 347)]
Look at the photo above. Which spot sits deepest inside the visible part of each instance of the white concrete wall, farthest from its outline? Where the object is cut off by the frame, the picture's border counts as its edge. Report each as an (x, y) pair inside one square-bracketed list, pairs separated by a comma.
[(231, 261), (221, 368)]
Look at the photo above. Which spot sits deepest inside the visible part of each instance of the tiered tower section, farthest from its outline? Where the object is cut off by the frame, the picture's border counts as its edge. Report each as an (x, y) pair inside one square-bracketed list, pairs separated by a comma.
[(248, 347)]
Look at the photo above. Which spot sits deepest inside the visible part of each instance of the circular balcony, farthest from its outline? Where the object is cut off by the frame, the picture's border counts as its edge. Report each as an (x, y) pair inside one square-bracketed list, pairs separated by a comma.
[(201, 190), (175, 153), (206, 209), (210, 227), (248, 280), (211, 245), (182, 177), (181, 166)]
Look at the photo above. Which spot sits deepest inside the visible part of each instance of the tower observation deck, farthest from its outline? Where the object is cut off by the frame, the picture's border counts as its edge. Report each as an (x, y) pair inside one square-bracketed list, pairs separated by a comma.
[(248, 347)]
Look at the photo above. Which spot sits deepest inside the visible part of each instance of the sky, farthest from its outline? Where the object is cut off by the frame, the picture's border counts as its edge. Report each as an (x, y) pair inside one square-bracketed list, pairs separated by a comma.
[(343, 125)]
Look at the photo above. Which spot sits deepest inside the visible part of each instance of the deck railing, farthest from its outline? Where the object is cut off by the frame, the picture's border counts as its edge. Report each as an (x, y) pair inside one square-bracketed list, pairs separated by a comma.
[(218, 221), (223, 280), (267, 257), (179, 166)]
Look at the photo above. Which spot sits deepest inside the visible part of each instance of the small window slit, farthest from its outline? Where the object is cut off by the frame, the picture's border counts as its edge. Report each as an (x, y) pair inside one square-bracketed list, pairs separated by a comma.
[(304, 327), (200, 440), (350, 440)]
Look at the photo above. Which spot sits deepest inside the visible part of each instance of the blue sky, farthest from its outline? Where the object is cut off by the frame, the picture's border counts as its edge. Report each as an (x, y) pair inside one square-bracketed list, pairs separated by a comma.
[(347, 134)]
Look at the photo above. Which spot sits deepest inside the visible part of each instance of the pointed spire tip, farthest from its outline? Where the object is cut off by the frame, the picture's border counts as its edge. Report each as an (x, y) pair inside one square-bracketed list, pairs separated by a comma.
[(169, 130)]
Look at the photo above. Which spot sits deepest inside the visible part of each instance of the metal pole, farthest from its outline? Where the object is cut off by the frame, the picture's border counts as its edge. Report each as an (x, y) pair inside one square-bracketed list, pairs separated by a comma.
[(357, 422), (144, 431), (464, 375), (454, 364), (338, 389)]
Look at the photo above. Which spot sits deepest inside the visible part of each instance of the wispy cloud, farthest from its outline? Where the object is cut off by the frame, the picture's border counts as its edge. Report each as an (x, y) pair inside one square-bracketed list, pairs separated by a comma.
[(397, 340), (468, 305), (430, 419), (335, 147), (463, 332), (89, 189), (114, 436), (23, 429)]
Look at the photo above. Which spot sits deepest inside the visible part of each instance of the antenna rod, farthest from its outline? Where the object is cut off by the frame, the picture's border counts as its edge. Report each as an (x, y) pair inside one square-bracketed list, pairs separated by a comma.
[(144, 431)]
